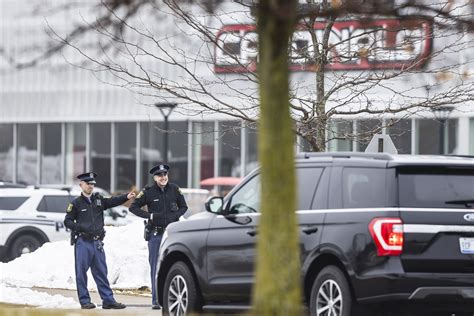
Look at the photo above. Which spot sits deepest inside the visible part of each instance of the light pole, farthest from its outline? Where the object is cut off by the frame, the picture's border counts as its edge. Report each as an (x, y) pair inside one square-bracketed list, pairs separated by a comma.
[(442, 113), (163, 107)]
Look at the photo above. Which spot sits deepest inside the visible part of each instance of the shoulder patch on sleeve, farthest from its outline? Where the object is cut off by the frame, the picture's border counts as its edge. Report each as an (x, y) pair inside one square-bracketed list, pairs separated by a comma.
[(179, 191), (69, 207), (139, 195)]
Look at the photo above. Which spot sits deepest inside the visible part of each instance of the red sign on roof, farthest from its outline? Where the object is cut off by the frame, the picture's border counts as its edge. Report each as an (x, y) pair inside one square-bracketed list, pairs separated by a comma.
[(353, 45)]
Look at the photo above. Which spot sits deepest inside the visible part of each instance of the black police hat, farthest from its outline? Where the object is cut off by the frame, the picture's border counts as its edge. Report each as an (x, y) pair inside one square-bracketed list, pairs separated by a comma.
[(88, 177), (161, 168)]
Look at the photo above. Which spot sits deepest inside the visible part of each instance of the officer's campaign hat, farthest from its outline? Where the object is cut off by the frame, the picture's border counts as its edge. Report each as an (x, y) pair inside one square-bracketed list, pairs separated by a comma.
[(88, 177), (161, 168)]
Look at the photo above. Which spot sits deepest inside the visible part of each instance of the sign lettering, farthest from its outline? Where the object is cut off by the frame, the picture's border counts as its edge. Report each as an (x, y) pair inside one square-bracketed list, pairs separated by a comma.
[(353, 45)]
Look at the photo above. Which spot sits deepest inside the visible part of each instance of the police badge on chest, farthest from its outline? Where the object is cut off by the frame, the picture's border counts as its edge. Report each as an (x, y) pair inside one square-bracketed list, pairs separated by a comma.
[(98, 202)]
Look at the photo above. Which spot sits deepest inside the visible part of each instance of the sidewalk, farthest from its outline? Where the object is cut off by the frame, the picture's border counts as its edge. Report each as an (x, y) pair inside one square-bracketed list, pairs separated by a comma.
[(136, 304)]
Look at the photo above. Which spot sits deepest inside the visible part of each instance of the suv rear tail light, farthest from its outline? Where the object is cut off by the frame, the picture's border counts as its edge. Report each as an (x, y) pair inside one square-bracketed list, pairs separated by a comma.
[(388, 235)]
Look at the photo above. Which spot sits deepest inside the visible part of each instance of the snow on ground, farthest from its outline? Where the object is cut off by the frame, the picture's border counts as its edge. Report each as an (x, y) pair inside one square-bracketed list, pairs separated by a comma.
[(25, 296), (52, 266)]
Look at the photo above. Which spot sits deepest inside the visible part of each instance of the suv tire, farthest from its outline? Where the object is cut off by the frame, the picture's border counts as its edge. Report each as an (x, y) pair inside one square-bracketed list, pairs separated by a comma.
[(330, 294), (180, 281), (24, 244)]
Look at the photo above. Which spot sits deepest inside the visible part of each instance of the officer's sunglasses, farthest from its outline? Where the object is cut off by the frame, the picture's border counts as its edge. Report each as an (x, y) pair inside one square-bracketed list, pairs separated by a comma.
[(90, 183), (164, 174)]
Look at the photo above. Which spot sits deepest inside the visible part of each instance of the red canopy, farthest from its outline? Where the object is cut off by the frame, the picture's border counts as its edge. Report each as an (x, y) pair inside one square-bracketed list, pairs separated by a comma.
[(230, 181)]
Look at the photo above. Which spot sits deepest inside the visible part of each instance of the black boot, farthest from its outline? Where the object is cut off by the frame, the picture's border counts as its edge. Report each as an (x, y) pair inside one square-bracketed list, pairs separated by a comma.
[(115, 305)]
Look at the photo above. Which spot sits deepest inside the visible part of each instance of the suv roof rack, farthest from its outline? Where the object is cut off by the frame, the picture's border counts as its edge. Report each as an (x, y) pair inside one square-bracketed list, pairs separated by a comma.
[(346, 154)]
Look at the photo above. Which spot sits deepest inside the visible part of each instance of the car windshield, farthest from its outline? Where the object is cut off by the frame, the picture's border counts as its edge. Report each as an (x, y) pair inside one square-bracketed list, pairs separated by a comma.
[(435, 187)]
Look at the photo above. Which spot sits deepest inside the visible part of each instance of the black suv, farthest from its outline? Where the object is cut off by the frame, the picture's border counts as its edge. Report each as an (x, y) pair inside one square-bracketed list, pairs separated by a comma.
[(374, 228)]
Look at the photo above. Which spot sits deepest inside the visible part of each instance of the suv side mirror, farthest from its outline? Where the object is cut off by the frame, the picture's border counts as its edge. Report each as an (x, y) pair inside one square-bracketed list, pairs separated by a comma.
[(214, 204)]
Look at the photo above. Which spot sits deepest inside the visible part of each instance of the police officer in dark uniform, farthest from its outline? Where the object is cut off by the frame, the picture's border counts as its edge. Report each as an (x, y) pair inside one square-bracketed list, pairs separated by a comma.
[(85, 217), (165, 204)]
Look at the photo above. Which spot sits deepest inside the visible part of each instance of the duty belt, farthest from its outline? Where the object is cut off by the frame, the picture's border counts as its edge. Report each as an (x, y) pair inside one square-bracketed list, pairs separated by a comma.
[(91, 237), (157, 230)]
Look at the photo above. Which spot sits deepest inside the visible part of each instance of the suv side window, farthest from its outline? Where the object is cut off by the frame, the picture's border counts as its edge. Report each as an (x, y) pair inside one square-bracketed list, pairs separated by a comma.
[(320, 200), (54, 203), (307, 179), (247, 199), (10, 203), (363, 187)]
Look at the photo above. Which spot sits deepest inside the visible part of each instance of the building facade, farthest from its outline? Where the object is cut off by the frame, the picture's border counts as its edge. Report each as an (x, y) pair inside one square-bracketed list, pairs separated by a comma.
[(58, 119)]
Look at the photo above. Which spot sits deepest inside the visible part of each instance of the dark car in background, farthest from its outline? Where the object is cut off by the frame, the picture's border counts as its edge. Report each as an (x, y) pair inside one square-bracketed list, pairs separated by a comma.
[(374, 228)]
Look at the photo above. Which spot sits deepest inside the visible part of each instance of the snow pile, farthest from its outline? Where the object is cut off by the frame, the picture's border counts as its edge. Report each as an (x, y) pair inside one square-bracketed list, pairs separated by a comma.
[(52, 265), (25, 296)]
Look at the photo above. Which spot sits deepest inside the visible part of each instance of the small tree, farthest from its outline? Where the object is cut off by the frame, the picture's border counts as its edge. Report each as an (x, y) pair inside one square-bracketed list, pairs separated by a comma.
[(277, 290)]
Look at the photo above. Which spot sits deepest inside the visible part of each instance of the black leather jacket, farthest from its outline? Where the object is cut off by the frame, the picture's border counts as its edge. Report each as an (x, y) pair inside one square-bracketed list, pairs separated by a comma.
[(167, 204), (88, 218)]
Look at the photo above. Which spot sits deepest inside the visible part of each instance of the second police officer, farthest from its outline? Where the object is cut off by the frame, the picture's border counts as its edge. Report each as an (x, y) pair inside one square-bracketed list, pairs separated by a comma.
[(165, 204)]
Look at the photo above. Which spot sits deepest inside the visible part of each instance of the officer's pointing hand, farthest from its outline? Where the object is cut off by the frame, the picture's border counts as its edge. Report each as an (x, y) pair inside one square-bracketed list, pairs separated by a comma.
[(131, 195)]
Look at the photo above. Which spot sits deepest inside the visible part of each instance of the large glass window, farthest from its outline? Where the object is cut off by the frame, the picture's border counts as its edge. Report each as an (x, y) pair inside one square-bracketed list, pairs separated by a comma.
[(203, 151), (229, 149), (75, 151), (125, 144), (251, 148), (365, 131), (51, 153), (100, 153), (339, 136), (178, 153), (400, 133), (451, 134), (431, 133), (152, 150), (6, 152), (27, 153), (471, 136)]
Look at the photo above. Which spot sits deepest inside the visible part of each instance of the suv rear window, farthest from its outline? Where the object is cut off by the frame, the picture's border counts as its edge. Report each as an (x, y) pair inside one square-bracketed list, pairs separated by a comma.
[(54, 203), (10, 203), (434, 186)]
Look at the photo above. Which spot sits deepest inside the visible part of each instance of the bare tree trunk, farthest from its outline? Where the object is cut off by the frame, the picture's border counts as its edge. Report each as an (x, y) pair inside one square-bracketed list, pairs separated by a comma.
[(277, 289)]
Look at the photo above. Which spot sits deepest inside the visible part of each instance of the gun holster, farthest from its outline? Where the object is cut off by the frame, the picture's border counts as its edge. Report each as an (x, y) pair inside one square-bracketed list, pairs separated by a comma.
[(73, 237), (147, 230)]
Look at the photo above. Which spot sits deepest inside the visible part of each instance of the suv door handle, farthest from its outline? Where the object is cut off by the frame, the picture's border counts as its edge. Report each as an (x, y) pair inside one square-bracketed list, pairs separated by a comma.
[(252, 232), (41, 216), (310, 230)]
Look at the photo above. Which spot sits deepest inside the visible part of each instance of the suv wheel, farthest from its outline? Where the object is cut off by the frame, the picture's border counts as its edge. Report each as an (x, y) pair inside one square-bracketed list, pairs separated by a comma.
[(24, 244), (180, 292), (330, 295)]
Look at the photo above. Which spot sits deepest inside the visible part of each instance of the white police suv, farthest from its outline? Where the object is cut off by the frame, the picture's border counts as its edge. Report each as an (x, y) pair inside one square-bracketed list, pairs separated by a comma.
[(29, 217)]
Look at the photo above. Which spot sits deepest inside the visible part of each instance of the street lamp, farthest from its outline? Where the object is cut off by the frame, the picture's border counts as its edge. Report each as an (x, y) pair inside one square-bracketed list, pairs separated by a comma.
[(165, 108), (442, 113)]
